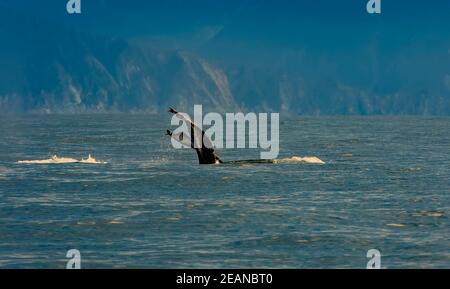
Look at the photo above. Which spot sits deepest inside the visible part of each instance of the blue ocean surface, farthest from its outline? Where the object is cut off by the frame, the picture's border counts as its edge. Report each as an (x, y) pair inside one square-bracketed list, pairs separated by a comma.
[(385, 185)]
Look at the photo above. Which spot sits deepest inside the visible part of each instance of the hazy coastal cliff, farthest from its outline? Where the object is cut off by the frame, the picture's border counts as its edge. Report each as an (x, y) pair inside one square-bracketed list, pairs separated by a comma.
[(53, 67)]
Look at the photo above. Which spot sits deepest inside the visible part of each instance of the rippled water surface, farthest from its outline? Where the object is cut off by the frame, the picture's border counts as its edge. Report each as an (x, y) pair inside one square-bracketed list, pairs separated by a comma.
[(385, 184)]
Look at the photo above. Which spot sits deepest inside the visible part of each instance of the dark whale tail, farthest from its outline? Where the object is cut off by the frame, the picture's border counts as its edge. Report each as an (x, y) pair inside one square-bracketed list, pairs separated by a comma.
[(205, 151)]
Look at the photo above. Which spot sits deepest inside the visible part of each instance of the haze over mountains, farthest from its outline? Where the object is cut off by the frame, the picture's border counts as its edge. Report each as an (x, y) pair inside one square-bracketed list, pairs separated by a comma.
[(51, 69), (271, 56)]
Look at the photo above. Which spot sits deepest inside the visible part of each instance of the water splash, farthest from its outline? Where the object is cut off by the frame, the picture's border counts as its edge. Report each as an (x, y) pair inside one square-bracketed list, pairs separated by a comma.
[(62, 160), (291, 160), (91, 160), (295, 159)]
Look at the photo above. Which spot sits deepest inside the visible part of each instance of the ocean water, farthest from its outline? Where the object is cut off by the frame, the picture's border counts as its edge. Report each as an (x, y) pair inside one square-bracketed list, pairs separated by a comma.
[(385, 185)]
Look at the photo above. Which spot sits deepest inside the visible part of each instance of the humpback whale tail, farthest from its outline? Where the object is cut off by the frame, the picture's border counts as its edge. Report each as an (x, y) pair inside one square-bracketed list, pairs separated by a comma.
[(199, 141), (205, 151)]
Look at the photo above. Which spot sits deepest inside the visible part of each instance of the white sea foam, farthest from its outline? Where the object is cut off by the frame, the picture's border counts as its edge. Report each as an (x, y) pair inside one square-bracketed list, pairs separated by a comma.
[(295, 159), (91, 160), (62, 160)]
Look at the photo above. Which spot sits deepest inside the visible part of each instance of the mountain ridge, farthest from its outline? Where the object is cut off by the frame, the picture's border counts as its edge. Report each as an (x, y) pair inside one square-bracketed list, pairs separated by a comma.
[(48, 68)]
